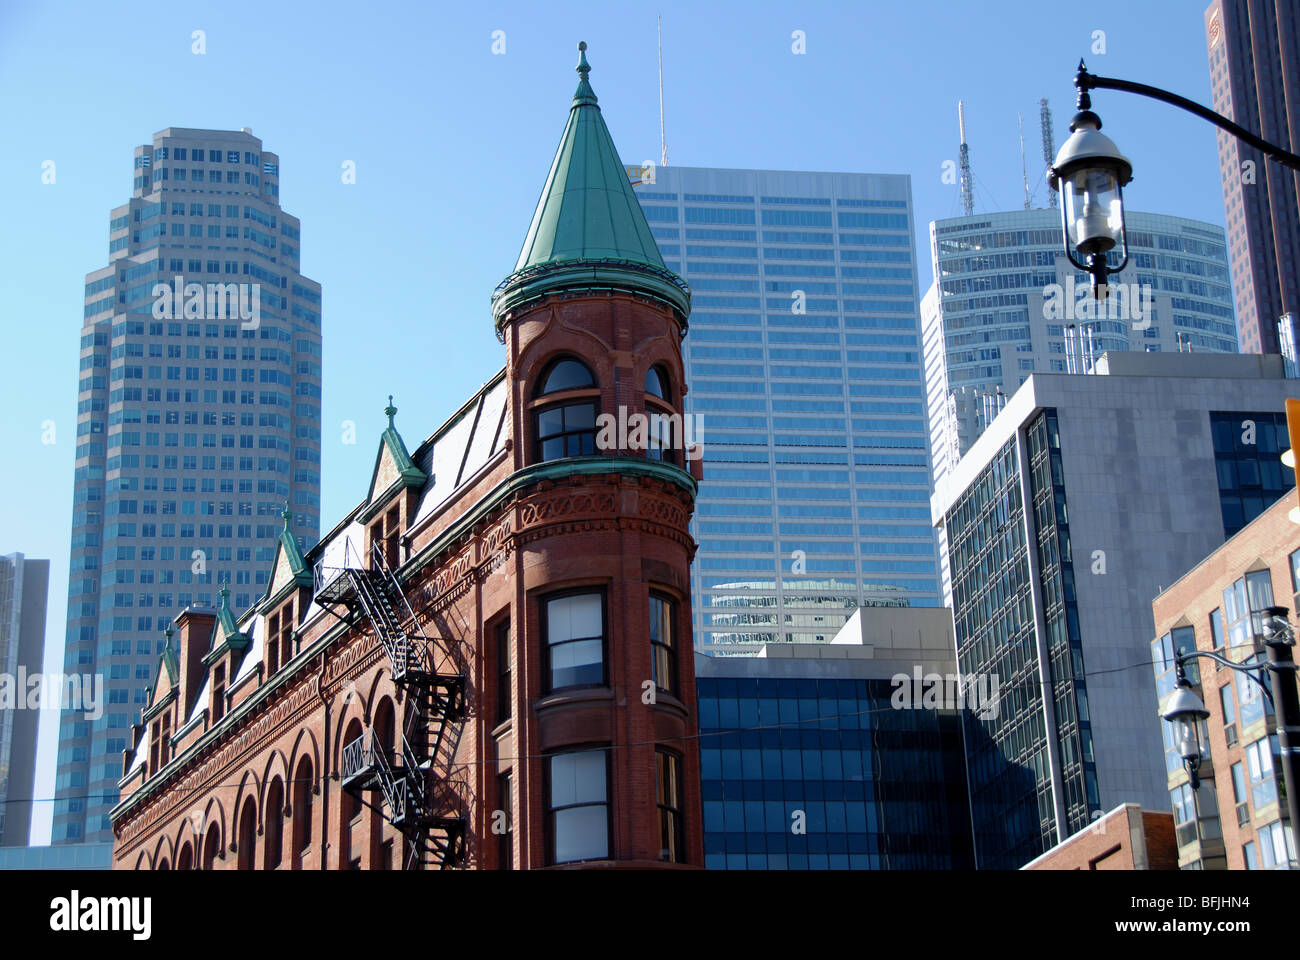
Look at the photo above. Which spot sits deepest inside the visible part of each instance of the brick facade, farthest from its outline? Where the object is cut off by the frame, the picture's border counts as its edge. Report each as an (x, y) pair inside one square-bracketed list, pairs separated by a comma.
[(479, 561), (1264, 544), (1127, 838)]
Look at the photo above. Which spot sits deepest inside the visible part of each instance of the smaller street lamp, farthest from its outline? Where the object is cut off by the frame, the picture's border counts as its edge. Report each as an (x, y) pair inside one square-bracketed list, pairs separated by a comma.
[(1090, 174), (1186, 711)]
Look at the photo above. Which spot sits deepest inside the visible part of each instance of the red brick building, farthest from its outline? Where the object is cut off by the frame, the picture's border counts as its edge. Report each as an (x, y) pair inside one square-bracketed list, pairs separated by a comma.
[(487, 663), (1127, 838), (1237, 817)]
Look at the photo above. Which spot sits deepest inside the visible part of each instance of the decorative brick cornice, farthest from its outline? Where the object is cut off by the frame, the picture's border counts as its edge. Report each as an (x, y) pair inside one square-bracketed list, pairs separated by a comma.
[(216, 759)]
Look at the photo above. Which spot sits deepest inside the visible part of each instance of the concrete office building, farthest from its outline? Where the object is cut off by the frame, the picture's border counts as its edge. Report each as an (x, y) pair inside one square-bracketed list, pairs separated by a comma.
[(1237, 818), (24, 585), (1254, 53), (198, 420), (1085, 496), (1004, 303), (813, 729), (805, 371)]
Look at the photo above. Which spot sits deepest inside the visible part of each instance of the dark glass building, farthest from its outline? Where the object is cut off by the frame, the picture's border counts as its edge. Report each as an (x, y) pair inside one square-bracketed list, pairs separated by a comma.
[(1247, 455), (1254, 53), (806, 764)]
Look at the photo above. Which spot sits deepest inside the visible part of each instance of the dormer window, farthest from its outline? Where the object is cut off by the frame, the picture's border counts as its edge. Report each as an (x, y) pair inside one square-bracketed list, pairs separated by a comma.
[(218, 692), (286, 633), (279, 638), (155, 747), (566, 427), (385, 539), (272, 642)]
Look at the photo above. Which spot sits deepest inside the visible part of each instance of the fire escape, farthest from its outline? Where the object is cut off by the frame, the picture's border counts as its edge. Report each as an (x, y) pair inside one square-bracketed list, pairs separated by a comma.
[(414, 793)]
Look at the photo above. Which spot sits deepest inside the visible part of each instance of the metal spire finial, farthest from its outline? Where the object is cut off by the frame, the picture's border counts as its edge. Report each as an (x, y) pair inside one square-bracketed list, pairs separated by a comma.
[(584, 95)]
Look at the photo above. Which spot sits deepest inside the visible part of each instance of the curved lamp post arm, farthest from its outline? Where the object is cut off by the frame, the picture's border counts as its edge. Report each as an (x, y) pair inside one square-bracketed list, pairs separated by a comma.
[(1248, 669), (1086, 81)]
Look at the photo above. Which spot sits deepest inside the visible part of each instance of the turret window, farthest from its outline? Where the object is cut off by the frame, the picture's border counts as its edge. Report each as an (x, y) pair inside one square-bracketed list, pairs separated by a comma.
[(574, 642), (656, 383), (577, 806), (663, 651), (566, 375), (566, 428), (665, 426)]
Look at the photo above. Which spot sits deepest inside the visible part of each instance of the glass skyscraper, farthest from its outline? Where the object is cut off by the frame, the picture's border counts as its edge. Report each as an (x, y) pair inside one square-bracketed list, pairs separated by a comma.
[(1005, 298), (804, 367), (198, 423)]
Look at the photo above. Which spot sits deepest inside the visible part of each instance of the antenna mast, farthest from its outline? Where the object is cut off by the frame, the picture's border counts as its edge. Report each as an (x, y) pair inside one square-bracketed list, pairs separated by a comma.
[(1049, 143), (663, 143), (1024, 171), (967, 184)]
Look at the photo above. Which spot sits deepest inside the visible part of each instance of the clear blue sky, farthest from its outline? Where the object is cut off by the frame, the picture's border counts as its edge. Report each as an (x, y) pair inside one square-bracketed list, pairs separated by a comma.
[(452, 143)]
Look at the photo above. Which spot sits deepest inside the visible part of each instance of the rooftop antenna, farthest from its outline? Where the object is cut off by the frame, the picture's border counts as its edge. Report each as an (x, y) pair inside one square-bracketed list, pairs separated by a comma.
[(1049, 143), (663, 142), (967, 181), (1024, 170)]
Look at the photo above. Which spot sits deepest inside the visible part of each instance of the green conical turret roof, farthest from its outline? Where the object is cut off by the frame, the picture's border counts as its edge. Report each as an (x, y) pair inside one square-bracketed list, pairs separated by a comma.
[(589, 230)]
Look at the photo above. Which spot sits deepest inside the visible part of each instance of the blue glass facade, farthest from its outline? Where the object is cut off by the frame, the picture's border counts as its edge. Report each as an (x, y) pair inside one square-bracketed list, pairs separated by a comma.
[(804, 365), (1247, 447), (198, 421), (817, 774)]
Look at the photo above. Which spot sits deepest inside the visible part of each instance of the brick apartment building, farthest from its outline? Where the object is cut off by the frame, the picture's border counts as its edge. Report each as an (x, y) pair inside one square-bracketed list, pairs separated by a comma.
[(486, 663), (1126, 838), (1237, 818)]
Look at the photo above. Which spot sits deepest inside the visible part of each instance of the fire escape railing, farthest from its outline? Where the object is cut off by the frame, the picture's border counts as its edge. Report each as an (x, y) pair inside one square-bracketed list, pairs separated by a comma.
[(416, 798)]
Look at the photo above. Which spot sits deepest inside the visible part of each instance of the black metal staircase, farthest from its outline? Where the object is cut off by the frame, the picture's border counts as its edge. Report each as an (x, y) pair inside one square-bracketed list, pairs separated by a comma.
[(417, 797)]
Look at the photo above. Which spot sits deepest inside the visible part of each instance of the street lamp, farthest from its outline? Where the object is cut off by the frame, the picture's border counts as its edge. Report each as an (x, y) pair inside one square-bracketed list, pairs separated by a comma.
[(1090, 174), (1186, 709)]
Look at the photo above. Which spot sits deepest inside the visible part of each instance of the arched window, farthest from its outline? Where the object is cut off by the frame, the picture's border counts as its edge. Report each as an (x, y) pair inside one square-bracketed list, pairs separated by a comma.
[(185, 859), (656, 383), (350, 822), (212, 847), (273, 824), (565, 374), (388, 739), (162, 864), (246, 843), (665, 434), (567, 428), (302, 793)]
